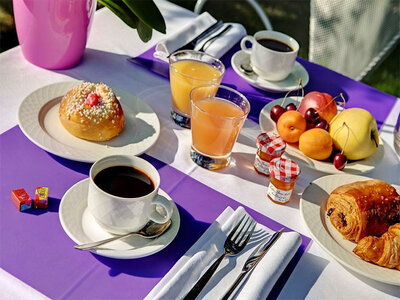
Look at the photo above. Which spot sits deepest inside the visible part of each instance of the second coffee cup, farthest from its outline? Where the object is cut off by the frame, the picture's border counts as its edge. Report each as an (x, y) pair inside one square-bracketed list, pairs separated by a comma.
[(272, 54), (123, 194)]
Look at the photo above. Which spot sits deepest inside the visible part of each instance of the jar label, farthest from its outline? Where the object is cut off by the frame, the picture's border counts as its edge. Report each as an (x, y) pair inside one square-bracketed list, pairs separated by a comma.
[(278, 195), (261, 166)]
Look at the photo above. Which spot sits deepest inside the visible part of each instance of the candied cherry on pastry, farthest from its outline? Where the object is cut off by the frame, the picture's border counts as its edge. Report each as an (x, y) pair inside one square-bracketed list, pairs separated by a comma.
[(92, 99)]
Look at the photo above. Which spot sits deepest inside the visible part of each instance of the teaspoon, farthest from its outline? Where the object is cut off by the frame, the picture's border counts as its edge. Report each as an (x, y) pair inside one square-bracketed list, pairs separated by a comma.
[(149, 231), (246, 68)]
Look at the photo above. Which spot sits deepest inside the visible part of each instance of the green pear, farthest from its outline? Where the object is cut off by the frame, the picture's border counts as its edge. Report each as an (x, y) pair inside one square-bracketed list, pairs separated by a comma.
[(354, 132)]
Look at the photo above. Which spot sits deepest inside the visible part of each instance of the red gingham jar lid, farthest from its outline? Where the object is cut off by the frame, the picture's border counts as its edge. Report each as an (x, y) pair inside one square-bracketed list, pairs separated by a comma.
[(284, 169), (271, 144)]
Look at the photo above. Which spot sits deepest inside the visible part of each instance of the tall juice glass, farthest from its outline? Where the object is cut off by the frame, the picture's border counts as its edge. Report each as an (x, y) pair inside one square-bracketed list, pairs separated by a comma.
[(189, 69), (217, 115)]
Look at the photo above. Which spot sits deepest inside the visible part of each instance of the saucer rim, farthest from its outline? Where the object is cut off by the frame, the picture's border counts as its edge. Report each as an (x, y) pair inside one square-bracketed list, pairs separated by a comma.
[(114, 253), (268, 88)]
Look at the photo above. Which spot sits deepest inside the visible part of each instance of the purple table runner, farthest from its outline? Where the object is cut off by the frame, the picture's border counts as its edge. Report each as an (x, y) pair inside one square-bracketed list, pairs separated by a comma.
[(35, 248), (322, 79)]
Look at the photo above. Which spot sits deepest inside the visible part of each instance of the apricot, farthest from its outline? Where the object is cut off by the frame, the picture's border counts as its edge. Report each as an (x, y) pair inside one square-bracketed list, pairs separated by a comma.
[(316, 143), (291, 125)]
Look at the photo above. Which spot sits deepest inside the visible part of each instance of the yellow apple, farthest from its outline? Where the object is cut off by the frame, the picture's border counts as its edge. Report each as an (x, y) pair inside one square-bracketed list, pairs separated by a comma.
[(358, 127)]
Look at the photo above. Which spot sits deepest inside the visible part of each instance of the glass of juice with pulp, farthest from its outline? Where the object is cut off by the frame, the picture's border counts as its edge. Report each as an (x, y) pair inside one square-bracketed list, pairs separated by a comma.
[(188, 69), (217, 115)]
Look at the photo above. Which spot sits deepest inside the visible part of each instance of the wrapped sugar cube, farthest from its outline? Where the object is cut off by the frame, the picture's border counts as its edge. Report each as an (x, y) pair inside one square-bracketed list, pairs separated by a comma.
[(41, 197), (21, 199)]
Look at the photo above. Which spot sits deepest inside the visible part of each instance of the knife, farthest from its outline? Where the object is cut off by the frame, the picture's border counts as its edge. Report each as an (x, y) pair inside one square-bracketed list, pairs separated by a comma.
[(208, 31), (159, 67), (253, 261)]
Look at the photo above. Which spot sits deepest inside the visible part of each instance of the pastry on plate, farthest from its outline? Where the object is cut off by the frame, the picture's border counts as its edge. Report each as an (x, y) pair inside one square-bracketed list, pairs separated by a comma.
[(91, 111), (384, 250), (363, 208)]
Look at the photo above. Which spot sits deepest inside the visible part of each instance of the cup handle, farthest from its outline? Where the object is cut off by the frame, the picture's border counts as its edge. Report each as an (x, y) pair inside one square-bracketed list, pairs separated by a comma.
[(247, 38), (167, 206)]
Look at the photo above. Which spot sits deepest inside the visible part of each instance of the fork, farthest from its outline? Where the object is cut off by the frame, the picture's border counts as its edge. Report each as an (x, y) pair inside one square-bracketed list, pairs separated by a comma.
[(209, 31), (234, 244)]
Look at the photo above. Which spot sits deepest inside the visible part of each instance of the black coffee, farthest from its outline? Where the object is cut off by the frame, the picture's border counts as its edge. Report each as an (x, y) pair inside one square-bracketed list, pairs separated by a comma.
[(124, 181), (275, 45)]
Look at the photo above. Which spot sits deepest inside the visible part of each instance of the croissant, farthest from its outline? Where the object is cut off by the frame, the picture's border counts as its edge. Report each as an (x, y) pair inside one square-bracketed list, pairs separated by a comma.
[(384, 250), (363, 208)]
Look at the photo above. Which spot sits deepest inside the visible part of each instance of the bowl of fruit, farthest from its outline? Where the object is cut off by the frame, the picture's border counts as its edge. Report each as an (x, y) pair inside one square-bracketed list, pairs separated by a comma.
[(323, 135)]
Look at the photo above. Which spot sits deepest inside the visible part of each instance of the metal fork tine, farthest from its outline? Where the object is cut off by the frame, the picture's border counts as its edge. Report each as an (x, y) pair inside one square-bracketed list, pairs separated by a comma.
[(249, 234), (234, 230), (242, 231), (245, 233)]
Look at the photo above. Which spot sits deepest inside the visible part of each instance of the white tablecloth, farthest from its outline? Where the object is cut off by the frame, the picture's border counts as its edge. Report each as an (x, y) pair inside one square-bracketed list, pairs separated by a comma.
[(317, 275)]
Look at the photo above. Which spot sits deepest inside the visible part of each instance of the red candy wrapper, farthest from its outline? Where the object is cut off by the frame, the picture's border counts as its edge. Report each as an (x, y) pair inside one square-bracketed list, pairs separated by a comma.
[(21, 199), (41, 197)]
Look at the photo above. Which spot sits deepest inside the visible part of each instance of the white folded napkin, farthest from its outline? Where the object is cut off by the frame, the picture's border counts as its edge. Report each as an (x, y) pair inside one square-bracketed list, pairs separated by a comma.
[(189, 268), (217, 48)]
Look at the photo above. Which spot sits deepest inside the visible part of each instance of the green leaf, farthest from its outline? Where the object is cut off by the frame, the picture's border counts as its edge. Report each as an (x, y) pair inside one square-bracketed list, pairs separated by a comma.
[(144, 31), (119, 8), (148, 12)]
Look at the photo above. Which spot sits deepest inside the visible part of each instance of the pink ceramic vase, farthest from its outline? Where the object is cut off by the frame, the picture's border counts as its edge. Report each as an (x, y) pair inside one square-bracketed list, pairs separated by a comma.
[(53, 33)]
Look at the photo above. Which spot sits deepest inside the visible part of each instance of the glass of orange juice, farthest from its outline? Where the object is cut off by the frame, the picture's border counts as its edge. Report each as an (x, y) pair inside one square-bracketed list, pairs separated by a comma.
[(188, 69), (217, 115)]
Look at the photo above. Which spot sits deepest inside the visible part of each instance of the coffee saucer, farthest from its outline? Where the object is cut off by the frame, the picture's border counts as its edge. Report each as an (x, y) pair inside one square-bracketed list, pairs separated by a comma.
[(81, 227), (288, 84)]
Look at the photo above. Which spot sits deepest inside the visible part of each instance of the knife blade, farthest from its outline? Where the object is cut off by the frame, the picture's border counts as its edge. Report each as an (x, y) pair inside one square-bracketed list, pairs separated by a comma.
[(208, 31), (159, 67), (253, 261)]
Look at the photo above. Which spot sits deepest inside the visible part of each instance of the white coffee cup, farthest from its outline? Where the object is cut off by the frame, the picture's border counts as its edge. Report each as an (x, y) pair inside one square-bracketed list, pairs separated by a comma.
[(267, 63), (122, 215)]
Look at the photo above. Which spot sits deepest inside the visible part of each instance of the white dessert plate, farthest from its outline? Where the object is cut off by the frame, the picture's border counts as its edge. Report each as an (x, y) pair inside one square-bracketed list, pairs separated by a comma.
[(81, 227), (39, 121), (353, 167), (313, 210), (288, 84)]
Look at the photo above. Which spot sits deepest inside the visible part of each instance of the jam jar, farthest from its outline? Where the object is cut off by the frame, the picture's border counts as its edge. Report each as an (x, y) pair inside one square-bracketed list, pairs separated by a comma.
[(269, 146), (283, 175)]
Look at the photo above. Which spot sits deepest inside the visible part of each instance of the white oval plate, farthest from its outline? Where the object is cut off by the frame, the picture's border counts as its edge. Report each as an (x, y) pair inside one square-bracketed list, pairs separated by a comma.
[(288, 84), (354, 167), (313, 211), (81, 227), (39, 121)]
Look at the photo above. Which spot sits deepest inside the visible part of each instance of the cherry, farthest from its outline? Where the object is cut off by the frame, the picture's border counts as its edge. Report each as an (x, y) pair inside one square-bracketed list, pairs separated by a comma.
[(276, 112), (291, 106), (323, 124), (312, 116), (310, 125), (340, 161), (92, 99)]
